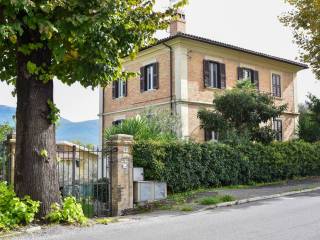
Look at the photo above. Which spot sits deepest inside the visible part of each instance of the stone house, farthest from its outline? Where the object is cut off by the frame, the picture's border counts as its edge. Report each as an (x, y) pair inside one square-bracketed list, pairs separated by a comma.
[(86, 162), (183, 72)]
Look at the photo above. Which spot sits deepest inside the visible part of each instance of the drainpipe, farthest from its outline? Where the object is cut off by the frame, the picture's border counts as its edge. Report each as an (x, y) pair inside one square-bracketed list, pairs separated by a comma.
[(171, 77)]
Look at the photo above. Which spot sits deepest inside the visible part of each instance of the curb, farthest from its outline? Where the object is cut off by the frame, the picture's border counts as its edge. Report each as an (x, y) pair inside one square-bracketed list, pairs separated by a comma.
[(256, 199)]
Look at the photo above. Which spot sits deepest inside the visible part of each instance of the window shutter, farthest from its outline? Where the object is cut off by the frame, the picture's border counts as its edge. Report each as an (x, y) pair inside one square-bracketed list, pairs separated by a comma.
[(207, 135), (156, 75), (240, 73), (125, 88), (142, 80), (223, 78), (206, 73), (115, 92), (256, 78)]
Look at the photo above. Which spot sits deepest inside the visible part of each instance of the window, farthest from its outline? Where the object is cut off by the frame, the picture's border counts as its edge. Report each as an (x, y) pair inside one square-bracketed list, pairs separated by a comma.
[(119, 89), (149, 79), (249, 74), (210, 136), (117, 122), (214, 74), (276, 85), (277, 127), (77, 163)]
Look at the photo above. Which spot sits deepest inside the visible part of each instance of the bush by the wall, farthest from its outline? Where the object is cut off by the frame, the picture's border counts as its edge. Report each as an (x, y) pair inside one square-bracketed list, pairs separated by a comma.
[(13, 210), (188, 165)]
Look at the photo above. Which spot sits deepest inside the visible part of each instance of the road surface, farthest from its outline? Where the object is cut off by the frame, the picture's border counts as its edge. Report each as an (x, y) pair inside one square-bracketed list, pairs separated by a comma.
[(289, 218)]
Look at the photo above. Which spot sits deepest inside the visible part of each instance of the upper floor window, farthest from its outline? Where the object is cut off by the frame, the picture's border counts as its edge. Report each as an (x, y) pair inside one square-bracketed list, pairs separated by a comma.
[(276, 85), (214, 74), (277, 127), (249, 74), (149, 78), (119, 89)]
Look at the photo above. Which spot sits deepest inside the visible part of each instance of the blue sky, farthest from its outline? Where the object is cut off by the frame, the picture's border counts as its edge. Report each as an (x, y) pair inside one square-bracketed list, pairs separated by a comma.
[(251, 24)]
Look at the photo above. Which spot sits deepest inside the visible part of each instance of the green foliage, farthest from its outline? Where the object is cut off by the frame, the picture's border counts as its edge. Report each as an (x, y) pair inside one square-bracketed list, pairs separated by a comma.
[(70, 212), (304, 20), (309, 120), (216, 199), (151, 124), (54, 115), (86, 40), (239, 113), (13, 210), (187, 165), (5, 129)]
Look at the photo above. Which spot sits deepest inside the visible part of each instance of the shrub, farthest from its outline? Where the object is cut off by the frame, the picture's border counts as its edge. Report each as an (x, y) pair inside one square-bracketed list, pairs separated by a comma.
[(70, 212), (13, 210), (155, 124), (216, 200), (187, 165)]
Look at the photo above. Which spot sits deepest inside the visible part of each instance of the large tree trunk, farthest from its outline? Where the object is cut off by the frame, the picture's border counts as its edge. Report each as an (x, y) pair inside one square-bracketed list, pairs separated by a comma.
[(35, 174)]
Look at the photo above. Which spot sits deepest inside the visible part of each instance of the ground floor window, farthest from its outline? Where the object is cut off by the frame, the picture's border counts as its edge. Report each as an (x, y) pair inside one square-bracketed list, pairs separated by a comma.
[(278, 128), (210, 135)]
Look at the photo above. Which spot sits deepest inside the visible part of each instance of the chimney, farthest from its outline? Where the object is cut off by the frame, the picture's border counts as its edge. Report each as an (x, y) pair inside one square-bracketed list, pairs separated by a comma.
[(178, 24)]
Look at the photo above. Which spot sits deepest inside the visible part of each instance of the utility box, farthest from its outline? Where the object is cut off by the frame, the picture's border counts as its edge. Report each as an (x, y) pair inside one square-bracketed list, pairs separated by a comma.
[(148, 191), (138, 174)]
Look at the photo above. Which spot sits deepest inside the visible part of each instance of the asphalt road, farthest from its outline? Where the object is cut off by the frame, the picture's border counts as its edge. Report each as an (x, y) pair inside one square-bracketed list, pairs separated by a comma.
[(290, 218)]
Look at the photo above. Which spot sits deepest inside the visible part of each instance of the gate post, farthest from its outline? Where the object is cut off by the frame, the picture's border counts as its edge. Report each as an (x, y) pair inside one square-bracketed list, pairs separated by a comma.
[(121, 173)]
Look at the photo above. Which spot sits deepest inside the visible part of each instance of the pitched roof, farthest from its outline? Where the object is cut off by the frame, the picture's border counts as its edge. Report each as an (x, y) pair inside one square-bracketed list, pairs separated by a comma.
[(225, 45)]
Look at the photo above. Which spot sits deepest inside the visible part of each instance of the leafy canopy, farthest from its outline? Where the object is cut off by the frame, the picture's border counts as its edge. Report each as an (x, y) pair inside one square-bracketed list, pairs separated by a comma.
[(86, 39), (304, 19), (240, 112), (309, 120)]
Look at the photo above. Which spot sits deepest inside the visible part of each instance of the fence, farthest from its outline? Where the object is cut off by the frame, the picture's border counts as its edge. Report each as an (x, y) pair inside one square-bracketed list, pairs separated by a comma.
[(3, 162), (85, 174)]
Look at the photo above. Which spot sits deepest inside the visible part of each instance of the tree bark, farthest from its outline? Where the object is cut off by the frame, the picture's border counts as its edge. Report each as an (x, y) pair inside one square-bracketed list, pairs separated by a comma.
[(35, 175)]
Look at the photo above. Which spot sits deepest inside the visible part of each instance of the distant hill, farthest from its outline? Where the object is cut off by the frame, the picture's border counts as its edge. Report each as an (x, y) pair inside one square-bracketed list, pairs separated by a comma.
[(86, 132)]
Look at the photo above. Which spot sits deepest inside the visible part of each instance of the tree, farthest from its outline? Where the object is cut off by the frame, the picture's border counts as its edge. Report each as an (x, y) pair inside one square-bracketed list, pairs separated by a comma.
[(150, 125), (242, 113), (5, 129), (304, 19), (75, 41), (309, 120)]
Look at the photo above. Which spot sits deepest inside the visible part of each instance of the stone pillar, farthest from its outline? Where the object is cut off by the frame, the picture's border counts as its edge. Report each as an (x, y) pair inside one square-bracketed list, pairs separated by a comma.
[(121, 174)]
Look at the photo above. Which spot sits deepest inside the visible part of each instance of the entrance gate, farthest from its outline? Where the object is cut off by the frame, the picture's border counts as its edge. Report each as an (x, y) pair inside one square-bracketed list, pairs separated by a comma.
[(85, 173)]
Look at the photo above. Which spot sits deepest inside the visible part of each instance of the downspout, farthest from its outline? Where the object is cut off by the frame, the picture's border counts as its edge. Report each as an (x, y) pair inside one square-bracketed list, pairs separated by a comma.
[(171, 77)]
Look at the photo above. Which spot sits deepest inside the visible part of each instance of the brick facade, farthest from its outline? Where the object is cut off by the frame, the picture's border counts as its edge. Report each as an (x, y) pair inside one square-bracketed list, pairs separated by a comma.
[(189, 93)]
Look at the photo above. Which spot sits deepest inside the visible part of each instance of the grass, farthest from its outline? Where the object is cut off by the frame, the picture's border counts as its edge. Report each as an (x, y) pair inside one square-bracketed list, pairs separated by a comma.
[(106, 221), (216, 200), (186, 208)]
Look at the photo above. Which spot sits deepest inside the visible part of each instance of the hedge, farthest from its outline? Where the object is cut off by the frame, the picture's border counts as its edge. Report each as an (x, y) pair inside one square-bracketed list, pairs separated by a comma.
[(188, 165)]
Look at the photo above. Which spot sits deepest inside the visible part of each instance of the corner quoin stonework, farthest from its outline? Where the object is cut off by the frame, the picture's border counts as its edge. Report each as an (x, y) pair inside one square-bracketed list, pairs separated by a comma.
[(121, 174)]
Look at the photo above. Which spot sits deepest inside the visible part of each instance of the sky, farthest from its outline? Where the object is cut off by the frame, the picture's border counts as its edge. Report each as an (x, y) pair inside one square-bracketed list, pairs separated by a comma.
[(251, 24)]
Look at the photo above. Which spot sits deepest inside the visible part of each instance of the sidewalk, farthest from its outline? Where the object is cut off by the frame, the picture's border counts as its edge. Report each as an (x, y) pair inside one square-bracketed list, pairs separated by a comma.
[(289, 186)]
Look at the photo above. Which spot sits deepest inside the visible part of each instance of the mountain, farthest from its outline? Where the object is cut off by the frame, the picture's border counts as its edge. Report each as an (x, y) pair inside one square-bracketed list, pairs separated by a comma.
[(87, 132)]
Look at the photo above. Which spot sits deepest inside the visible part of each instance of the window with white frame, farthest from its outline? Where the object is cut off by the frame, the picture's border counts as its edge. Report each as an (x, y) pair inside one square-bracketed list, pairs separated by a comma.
[(149, 79), (211, 136), (214, 74), (119, 89)]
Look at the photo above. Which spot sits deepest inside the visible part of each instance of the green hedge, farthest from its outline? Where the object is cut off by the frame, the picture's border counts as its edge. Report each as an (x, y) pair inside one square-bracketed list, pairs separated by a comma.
[(187, 165)]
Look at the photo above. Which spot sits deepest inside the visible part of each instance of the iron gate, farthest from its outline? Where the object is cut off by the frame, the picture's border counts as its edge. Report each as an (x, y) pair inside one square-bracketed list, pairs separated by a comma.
[(3, 162), (85, 173)]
